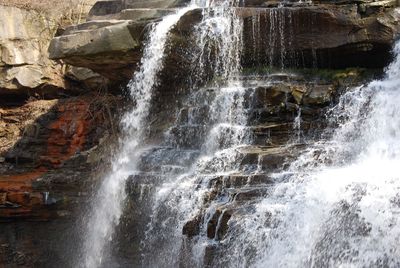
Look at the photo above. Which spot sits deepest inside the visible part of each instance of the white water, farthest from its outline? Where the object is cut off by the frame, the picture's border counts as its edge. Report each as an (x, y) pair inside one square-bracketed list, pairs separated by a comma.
[(338, 205), (181, 197), (219, 38), (108, 204)]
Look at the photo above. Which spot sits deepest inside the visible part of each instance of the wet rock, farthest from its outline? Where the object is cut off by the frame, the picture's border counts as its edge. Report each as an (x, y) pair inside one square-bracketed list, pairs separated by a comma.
[(319, 36), (192, 227), (318, 95), (217, 227)]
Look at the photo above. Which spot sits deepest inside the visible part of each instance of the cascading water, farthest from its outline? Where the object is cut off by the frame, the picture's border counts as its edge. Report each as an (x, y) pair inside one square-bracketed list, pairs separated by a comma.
[(108, 204), (203, 177), (180, 197), (275, 47), (337, 205), (219, 39)]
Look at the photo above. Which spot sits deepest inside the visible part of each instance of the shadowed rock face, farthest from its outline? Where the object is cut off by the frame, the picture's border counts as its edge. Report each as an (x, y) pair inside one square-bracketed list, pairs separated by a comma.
[(325, 36), (48, 152), (322, 35), (45, 136)]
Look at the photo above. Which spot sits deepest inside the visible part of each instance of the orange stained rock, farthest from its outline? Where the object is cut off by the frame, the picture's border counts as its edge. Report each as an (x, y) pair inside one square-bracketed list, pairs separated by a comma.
[(20, 182), (68, 132), (67, 137), (17, 191)]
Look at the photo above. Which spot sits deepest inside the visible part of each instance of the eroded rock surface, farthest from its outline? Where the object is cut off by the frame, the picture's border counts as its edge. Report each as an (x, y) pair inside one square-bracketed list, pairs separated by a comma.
[(334, 35), (49, 150), (109, 47), (24, 63)]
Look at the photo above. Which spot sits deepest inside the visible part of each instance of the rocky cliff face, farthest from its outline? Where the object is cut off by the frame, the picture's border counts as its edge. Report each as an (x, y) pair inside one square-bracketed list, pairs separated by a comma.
[(300, 35), (54, 143), (24, 62), (52, 128)]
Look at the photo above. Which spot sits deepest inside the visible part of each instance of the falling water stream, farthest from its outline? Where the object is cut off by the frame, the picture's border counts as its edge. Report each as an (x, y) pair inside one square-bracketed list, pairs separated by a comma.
[(108, 204), (219, 28)]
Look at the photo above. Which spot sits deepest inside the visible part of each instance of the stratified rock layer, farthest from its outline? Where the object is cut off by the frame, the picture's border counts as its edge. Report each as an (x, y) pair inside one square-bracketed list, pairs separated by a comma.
[(321, 35), (24, 63)]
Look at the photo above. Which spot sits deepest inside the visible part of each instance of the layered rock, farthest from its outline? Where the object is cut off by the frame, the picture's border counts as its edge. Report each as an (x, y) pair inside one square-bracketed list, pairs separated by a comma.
[(272, 103), (24, 64), (49, 149), (327, 36), (109, 47), (320, 35), (140, 8)]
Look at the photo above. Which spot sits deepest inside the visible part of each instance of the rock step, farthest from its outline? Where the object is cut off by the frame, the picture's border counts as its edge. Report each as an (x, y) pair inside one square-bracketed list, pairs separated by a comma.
[(247, 159), (214, 218), (248, 193), (135, 14), (239, 180), (166, 159), (154, 3), (225, 135)]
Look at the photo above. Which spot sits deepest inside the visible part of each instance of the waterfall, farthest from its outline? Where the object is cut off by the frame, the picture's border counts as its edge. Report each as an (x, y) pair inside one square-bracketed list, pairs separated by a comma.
[(108, 204), (219, 40), (215, 115), (337, 205), (273, 45)]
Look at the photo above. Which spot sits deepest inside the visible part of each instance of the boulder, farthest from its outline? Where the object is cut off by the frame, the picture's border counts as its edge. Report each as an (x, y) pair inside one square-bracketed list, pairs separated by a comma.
[(24, 64), (109, 47)]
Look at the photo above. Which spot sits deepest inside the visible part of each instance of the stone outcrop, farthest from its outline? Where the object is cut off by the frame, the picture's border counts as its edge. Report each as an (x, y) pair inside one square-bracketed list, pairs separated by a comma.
[(108, 9), (321, 35), (108, 47), (324, 36), (24, 63)]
